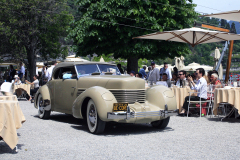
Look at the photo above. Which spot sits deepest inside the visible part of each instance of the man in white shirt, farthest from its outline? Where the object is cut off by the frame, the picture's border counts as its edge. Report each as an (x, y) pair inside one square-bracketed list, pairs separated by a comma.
[(36, 87), (49, 71), (182, 77), (166, 70), (21, 73), (153, 74), (200, 86)]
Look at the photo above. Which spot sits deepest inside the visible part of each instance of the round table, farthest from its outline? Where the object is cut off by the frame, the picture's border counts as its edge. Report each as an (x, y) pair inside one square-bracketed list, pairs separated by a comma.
[(11, 118)]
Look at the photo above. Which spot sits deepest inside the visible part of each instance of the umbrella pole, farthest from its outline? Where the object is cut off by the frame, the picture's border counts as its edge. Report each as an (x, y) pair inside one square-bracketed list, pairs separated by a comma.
[(229, 61)]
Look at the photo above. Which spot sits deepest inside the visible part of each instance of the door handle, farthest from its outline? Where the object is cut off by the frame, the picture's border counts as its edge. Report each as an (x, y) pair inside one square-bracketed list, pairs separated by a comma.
[(74, 87)]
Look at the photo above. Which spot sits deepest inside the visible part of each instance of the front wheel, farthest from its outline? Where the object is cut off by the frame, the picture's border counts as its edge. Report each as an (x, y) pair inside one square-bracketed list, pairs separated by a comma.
[(95, 124), (42, 113), (161, 124)]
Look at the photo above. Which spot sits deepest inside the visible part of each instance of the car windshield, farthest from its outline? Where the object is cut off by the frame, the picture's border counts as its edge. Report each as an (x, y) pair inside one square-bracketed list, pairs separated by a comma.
[(88, 69), (109, 68)]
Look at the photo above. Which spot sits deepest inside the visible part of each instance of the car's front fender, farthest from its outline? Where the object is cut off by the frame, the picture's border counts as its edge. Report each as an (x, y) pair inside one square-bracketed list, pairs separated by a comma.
[(44, 91), (160, 96), (102, 98)]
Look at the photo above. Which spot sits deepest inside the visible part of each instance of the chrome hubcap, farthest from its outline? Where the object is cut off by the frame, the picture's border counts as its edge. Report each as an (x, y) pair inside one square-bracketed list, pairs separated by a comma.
[(40, 105), (92, 116)]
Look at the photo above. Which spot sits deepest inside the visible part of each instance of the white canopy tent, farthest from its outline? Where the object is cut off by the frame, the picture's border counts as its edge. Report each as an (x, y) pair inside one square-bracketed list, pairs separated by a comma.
[(73, 58), (7, 64)]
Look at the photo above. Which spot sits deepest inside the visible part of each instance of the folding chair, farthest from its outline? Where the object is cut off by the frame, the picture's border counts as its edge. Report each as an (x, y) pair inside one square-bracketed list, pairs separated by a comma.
[(200, 102), (6, 87)]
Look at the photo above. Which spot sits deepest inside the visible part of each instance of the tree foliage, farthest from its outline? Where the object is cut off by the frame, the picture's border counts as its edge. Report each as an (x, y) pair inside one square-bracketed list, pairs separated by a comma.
[(33, 27), (233, 28), (108, 26)]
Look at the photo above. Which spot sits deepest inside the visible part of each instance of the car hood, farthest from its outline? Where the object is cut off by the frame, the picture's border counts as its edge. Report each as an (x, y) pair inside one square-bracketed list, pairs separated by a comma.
[(111, 82)]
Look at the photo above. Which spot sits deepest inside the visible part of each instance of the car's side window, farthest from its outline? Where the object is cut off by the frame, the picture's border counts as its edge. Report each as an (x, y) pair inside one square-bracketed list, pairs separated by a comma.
[(65, 73), (57, 74), (69, 73)]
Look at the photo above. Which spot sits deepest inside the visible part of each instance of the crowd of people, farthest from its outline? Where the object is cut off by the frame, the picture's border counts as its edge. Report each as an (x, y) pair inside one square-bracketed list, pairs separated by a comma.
[(19, 76), (198, 81), (177, 78)]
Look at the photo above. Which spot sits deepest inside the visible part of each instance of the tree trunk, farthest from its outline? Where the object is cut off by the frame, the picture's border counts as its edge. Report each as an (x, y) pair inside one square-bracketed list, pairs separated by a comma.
[(132, 64), (31, 63)]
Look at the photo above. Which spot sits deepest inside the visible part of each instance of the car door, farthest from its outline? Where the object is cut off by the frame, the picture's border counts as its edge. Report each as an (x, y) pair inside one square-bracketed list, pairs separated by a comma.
[(65, 93)]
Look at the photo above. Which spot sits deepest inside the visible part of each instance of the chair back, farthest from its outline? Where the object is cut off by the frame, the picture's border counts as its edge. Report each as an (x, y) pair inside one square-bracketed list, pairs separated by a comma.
[(6, 87)]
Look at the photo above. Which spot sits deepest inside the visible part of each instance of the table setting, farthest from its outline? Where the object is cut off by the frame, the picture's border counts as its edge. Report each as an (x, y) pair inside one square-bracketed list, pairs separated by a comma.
[(11, 119)]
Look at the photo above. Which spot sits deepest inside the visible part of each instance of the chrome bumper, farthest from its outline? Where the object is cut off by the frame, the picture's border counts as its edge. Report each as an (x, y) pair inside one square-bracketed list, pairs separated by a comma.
[(129, 115)]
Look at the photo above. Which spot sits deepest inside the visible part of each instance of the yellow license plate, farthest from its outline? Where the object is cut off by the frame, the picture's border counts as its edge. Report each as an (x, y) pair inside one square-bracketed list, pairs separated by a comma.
[(120, 107)]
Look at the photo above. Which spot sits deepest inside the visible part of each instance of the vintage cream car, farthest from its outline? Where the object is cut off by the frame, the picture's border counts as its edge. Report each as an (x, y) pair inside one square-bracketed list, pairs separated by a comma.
[(98, 93)]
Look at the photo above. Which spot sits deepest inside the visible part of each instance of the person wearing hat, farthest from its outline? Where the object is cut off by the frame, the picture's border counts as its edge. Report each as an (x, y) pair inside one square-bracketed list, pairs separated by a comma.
[(154, 73), (166, 70), (132, 73)]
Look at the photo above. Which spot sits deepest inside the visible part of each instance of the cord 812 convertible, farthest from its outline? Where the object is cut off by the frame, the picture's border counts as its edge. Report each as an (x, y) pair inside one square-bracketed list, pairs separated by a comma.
[(98, 93)]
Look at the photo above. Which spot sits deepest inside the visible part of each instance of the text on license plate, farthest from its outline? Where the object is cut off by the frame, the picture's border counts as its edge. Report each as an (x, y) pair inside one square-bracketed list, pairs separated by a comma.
[(120, 106)]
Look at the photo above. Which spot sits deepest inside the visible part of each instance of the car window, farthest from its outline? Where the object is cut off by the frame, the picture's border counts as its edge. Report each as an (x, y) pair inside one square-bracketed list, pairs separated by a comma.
[(86, 69), (65, 73), (57, 74), (109, 68)]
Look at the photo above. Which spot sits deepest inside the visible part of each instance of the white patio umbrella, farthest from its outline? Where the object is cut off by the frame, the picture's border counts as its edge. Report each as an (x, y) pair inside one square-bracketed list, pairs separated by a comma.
[(231, 15), (192, 36), (193, 66), (217, 55)]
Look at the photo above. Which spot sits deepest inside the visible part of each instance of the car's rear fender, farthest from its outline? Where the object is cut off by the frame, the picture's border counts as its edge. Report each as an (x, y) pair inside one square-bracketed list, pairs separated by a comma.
[(44, 91), (102, 98)]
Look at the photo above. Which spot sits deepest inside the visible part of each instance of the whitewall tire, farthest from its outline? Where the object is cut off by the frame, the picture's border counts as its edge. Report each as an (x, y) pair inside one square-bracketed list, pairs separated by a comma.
[(94, 123), (43, 114)]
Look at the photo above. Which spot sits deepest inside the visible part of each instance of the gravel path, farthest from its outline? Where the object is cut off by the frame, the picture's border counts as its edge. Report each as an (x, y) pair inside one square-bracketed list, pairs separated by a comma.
[(64, 137)]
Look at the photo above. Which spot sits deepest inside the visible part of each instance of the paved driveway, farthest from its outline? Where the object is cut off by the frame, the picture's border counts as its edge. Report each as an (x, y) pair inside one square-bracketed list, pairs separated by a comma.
[(64, 137)]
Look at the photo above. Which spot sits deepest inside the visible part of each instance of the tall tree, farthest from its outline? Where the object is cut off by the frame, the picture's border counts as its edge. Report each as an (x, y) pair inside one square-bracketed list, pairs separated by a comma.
[(233, 29), (228, 26), (33, 27), (223, 23), (108, 26)]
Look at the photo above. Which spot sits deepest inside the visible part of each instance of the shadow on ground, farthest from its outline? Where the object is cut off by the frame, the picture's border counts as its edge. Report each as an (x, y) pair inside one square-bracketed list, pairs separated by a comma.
[(228, 120), (64, 118), (112, 129), (4, 148)]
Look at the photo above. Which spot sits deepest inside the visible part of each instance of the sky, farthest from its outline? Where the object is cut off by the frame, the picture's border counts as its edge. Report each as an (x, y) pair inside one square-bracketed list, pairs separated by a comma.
[(216, 6)]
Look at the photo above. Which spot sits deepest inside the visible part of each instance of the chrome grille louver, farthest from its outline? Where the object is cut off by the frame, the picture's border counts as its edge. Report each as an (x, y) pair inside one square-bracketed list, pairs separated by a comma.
[(129, 96)]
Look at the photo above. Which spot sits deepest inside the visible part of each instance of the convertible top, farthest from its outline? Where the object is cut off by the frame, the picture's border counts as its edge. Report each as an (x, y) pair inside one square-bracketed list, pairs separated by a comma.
[(70, 64)]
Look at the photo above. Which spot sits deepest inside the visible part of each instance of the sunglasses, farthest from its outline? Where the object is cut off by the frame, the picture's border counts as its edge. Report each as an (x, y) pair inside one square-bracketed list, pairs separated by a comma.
[(180, 74)]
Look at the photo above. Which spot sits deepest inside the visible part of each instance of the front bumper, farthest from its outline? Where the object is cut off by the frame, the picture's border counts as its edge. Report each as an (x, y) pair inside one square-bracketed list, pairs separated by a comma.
[(128, 115)]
